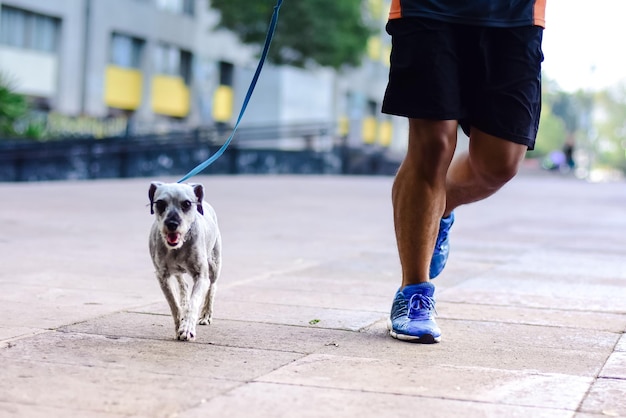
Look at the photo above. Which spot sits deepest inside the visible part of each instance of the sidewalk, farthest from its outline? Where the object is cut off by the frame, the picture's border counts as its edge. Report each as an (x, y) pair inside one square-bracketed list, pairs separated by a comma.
[(532, 305)]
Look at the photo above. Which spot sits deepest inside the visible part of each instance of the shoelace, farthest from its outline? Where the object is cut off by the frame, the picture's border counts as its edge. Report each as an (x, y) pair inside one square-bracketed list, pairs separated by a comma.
[(421, 305)]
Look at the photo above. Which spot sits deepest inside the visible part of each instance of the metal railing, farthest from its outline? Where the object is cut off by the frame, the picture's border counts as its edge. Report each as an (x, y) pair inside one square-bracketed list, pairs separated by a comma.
[(277, 149)]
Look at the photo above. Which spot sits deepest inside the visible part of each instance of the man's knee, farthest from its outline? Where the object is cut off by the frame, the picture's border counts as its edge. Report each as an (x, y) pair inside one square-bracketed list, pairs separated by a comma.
[(497, 173), (431, 145), (495, 160)]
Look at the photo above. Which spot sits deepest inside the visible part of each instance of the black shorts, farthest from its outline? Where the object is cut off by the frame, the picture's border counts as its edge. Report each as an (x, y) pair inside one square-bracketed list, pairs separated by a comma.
[(485, 77)]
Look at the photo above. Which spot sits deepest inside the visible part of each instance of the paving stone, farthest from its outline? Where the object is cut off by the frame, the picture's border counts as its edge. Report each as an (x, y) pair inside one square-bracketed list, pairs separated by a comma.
[(599, 321), (615, 366), (621, 344), (490, 385), (510, 287), (84, 389), (282, 314), (67, 308), (322, 298), (7, 333), (282, 401), (222, 332), (485, 344), (15, 410), (607, 397), (185, 359)]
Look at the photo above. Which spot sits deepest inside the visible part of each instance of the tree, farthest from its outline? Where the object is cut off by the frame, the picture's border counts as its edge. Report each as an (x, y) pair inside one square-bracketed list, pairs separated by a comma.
[(610, 124), (13, 107), (551, 135), (14, 114), (329, 32)]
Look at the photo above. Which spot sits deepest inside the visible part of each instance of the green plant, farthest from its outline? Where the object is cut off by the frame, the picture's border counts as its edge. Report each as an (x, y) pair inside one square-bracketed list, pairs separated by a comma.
[(13, 106)]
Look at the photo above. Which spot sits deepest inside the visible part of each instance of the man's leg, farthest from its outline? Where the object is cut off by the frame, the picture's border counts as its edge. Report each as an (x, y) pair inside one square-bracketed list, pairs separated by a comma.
[(488, 165), (419, 194), (427, 186), (419, 199)]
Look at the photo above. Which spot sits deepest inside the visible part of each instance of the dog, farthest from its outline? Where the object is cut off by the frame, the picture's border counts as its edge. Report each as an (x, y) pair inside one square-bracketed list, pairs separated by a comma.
[(185, 238)]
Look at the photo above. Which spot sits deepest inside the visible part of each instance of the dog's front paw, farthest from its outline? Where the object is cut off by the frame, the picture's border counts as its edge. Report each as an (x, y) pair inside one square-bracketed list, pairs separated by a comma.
[(187, 330), (205, 320)]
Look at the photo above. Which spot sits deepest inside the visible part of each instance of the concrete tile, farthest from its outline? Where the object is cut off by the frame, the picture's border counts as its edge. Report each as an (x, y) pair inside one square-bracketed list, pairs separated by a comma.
[(615, 366), (468, 247), (367, 265), (508, 287), (104, 390), (586, 265), (282, 314), (148, 356), (15, 410), (607, 397), (486, 345), (263, 400), (599, 321), (461, 267), (585, 415), (7, 333), (337, 282), (518, 388), (621, 344), (68, 308), (140, 281), (221, 332), (322, 298)]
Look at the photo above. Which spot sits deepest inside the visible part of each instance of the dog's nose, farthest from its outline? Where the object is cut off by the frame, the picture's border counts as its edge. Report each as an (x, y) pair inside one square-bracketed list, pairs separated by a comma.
[(171, 224)]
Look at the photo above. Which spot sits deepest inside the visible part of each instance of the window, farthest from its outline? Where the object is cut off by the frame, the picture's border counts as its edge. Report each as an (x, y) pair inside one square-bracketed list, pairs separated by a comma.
[(23, 29), (226, 73), (126, 51), (177, 6), (170, 60)]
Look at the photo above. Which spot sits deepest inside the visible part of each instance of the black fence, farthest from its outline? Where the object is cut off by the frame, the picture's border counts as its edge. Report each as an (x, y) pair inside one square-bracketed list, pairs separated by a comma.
[(294, 149)]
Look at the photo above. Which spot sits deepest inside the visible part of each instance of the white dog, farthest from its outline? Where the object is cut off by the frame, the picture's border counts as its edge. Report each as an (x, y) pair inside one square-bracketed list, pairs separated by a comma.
[(185, 239)]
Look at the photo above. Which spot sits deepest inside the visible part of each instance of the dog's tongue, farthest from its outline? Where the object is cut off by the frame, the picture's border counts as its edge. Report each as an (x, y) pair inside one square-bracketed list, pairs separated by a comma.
[(172, 238)]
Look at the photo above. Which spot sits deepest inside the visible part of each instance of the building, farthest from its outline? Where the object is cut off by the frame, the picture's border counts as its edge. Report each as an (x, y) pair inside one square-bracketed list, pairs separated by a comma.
[(162, 64)]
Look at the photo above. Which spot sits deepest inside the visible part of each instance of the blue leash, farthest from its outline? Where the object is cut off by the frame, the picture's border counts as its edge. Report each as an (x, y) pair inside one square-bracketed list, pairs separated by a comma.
[(266, 47)]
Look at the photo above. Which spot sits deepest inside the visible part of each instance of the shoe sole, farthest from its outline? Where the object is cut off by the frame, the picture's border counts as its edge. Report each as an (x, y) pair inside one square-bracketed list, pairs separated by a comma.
[(424, 339)]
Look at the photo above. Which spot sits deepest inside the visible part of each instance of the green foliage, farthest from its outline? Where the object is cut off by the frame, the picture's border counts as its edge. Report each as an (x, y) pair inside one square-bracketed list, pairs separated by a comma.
[(34, 130), (13, 107), (565, 107), (597, 121), (14, 112), (551, 135), (610, 125), (330, 32)]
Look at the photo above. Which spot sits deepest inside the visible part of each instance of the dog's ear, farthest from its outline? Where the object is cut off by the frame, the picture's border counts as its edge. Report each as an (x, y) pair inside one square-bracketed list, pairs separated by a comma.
[(153, 186), (198, 190)]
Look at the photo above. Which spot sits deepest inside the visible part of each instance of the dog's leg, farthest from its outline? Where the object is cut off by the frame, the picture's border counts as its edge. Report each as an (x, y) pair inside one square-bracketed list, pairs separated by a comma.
[(187, 328), (183, 291), (215, 265), (206, 317), (166, 287)]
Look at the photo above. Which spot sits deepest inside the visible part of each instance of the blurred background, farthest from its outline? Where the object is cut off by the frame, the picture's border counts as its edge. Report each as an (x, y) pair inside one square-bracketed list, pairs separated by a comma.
[(125, 88)]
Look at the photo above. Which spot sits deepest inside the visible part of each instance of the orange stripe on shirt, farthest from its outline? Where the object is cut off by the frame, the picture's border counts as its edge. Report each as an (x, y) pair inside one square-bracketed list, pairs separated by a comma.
[(539, 13), (395, 12)]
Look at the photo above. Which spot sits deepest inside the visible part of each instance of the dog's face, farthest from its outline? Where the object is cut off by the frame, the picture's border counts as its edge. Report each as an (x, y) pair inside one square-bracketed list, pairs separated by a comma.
[(175, 206)]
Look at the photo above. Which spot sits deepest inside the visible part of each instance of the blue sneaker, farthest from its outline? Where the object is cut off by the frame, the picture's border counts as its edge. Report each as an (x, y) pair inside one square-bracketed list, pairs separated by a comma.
[(412, 315), (442, 247)]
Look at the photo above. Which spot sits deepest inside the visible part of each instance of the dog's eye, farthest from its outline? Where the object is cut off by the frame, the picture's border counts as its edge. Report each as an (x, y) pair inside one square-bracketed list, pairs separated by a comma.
[(185, 205), (160, 206)]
